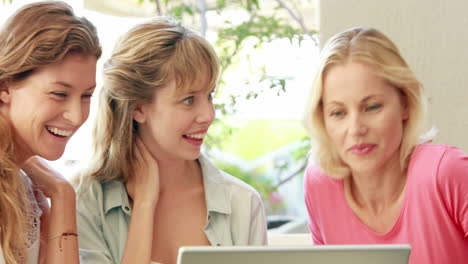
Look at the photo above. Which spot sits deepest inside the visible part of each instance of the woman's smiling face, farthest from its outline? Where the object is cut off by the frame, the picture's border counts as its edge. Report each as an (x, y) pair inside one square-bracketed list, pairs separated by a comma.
[(173, 126), (47, 107)]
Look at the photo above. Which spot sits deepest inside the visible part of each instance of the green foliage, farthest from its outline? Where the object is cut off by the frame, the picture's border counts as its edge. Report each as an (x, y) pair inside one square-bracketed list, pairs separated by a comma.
[(261, 29), (255, 179), (220, 5), (220, 131), (255, 138), (303, 151), (179, 11), (251, 5)]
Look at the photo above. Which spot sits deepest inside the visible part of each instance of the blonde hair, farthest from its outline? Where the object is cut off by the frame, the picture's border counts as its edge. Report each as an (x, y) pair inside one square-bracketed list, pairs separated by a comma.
[(146, 58), (35, 36), (374, 49)]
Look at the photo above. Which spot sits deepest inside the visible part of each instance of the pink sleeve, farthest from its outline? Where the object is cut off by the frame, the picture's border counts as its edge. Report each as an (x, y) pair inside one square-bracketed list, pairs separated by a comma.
[(311, 203), (452, 178)]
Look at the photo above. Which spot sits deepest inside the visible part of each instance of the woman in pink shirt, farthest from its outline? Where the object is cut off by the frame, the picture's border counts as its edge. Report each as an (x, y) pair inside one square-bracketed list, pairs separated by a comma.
[(372, 180)]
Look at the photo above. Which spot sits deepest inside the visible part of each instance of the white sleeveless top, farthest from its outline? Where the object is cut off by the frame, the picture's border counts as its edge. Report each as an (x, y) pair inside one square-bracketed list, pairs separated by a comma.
[(34, 223)]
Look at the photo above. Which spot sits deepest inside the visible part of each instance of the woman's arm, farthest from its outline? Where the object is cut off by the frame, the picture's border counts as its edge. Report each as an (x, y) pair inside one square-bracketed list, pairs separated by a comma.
[(61, 240), (143, 189), (140, 234)]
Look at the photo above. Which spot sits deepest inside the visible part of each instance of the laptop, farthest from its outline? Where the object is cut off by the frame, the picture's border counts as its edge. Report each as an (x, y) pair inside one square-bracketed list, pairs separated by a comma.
[(328, 254)]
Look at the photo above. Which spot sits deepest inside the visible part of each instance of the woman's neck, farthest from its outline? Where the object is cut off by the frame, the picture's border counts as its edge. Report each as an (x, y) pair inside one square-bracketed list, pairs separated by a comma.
[(378, 190), (20, 154), (180, 173)]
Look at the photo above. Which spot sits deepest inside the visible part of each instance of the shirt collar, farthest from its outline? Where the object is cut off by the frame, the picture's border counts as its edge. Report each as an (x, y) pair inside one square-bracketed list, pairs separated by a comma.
[(217, 191), (115, 195)]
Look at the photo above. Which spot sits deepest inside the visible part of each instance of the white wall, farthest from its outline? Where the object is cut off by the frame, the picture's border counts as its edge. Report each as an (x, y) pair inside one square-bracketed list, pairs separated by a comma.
[(432, 36)]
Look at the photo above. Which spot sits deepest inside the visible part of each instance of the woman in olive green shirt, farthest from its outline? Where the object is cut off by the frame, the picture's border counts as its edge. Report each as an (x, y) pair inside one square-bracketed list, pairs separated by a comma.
[(149, 190)]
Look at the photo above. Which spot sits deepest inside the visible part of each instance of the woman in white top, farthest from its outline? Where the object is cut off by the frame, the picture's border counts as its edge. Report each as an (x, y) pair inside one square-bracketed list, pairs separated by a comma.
[(47, 76)]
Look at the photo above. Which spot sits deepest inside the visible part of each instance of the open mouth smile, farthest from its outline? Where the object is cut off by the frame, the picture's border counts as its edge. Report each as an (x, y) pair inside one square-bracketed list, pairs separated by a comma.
[(59, 132)]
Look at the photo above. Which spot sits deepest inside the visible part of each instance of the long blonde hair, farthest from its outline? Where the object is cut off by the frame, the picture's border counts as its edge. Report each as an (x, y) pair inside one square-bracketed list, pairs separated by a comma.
[(35, 36), (372, 48), (146, 58)]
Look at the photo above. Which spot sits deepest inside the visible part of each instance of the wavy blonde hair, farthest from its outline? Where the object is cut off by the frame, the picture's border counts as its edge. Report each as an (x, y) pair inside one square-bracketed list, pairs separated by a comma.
[(35, 36), (374, 49), (146, 58)]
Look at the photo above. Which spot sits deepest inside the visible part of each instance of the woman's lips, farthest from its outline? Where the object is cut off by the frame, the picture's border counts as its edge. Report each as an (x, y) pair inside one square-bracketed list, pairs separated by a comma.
[(362, 149)]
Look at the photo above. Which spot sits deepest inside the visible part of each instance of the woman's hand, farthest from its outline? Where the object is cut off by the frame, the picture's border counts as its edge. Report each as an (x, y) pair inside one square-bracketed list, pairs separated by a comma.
[(60, 218), (143, 184), (50, 182), (143, 187)]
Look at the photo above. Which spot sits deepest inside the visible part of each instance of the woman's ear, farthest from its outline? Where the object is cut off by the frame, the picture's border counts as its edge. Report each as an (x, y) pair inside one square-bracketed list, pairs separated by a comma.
[(139, 113), (5, 92)]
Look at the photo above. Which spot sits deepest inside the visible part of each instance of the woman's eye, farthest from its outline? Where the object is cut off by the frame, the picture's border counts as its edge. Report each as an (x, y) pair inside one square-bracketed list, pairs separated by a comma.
[(87, 96), (58, 94), (337, 113), (373, 107), (188, 100)]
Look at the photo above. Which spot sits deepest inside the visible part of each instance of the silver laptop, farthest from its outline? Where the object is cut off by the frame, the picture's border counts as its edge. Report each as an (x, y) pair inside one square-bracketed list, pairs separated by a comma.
[(329, 254)]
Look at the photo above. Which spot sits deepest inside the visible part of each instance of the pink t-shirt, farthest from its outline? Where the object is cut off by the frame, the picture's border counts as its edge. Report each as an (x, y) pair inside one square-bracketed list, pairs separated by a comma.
[(433, 218)]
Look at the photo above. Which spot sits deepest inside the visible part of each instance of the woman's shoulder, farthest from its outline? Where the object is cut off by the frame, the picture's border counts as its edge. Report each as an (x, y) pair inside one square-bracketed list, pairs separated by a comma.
[(96, 191), (445, 163), (319, 188), (447, 179), (316, 176), (443, 157), (96, 198), (427, 149), (85, 186)]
